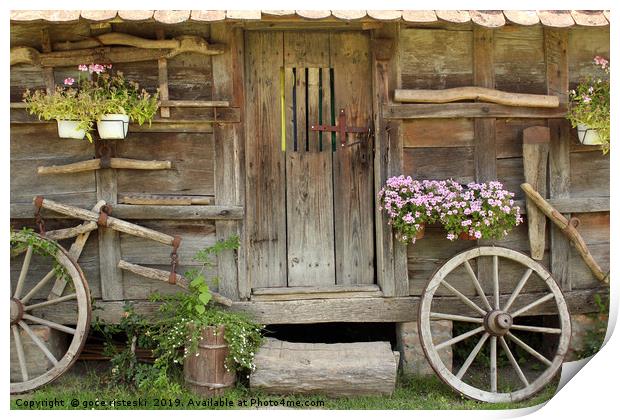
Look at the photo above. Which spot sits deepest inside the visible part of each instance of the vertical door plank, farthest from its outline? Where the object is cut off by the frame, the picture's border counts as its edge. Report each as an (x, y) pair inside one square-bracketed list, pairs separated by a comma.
[(353, 166), (310, 227), (556, 44), (265, 165), (325, 139)]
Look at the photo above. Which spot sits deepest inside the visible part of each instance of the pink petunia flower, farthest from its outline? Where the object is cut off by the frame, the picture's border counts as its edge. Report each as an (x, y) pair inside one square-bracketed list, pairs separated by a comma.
[(69, 81), (83, 67)]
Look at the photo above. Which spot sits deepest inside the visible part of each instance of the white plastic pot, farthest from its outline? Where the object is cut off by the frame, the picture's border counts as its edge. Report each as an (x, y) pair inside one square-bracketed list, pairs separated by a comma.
[(113, 126), (588, 135), (68, 129)]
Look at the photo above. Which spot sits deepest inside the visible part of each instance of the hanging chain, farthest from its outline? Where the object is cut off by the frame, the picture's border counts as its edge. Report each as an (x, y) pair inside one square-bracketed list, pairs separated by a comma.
[(174, 260), (38, 219)]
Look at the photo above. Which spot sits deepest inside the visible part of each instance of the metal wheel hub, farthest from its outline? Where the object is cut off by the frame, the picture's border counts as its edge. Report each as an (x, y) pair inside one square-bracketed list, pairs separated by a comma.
[(497, 322), (17, 311)]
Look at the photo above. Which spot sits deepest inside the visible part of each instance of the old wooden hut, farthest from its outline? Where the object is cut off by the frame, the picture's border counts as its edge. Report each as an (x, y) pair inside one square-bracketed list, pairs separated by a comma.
[(236, 124)]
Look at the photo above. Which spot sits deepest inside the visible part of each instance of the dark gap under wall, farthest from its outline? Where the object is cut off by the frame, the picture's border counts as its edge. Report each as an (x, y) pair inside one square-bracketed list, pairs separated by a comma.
[(337, 332)]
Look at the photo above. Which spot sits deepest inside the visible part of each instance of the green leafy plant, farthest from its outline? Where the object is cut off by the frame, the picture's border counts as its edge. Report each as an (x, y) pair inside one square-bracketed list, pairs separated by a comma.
[(590, 102), (64, 103), (95, 93), (183, 315), (26, 237), (114, 94)]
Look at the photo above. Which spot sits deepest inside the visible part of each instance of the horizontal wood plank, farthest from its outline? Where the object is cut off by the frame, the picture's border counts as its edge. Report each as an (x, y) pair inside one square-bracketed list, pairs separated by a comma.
[(401, 309), (469, 110)]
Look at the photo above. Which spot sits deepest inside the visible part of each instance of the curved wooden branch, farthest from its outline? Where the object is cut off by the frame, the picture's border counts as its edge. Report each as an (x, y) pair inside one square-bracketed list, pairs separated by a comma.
[(178, 45), (161, 275), (94, 164), (568, 227), (475, 93)]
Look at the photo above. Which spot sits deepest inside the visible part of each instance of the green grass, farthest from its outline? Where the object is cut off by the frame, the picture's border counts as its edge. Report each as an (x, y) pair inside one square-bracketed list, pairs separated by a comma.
[(412, 393)]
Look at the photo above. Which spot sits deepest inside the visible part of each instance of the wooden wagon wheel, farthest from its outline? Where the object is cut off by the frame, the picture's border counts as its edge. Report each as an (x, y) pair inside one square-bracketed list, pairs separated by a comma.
[(27, 307), (494, 318)]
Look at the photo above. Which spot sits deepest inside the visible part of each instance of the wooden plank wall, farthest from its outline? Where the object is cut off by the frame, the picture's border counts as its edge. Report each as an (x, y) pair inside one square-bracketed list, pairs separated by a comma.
[(446, 148), (193, 150)]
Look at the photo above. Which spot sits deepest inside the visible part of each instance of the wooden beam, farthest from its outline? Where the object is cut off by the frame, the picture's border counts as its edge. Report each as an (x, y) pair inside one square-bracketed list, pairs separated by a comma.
[(166, 200), (95, 164), (228, 84), (476, 93), (469, 110), (392, 272), (485, 156), (556, 56), (535, 156), (162, 72), (144, 212), (109, 240), (399, 309), (48, 73)]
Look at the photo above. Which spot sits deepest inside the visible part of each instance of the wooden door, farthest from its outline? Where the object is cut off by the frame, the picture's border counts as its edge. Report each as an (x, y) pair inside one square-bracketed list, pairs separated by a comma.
[(309, 216)]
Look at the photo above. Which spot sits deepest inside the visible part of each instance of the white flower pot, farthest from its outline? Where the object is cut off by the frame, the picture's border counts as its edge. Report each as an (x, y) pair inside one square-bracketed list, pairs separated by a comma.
[(113, 126), (68, 129), (588, 135)]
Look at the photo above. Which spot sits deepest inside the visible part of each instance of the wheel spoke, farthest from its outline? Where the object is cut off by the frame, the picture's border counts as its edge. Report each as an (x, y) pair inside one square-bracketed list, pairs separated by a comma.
[(38, 286), (50, 324), (532, 305), (472, 356), (513, 361), (464, 298), (459, 338), (450, 317), (496, 283), (529, 349), (20, 353), (531, 328), (493, 364), (477, 285), (23, 273), (51, 302), (39, 343), (518, 289)]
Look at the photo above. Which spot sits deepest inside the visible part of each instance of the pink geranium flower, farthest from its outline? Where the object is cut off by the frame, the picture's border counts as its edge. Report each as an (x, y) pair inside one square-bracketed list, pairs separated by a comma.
[(69, 81)]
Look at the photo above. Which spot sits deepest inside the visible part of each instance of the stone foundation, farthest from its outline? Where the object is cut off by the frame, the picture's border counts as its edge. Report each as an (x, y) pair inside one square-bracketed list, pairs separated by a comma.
[(36, 363), (581, 324), (412, 359)]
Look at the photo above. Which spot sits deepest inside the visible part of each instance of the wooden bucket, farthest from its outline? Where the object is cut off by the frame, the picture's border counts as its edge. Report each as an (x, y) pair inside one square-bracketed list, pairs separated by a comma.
[(204, 370)]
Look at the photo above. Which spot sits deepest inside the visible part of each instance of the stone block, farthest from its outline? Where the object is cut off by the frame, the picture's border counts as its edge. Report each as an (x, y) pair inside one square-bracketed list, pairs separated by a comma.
[(412, 358)]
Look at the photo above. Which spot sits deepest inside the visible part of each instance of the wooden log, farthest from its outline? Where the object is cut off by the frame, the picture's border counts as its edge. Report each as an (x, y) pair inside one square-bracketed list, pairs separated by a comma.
[(166, 200), (535, 155), (112, 222), (161, 275), (469, 110), (569, 228), (400, 309), (178, 45), (341, 369), (475, 93), (94, 164), (60, 234)]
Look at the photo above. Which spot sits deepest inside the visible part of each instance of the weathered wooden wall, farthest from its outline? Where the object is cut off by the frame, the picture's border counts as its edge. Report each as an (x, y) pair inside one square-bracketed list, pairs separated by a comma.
[(189, 146), (446, 148), (208, 157)]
